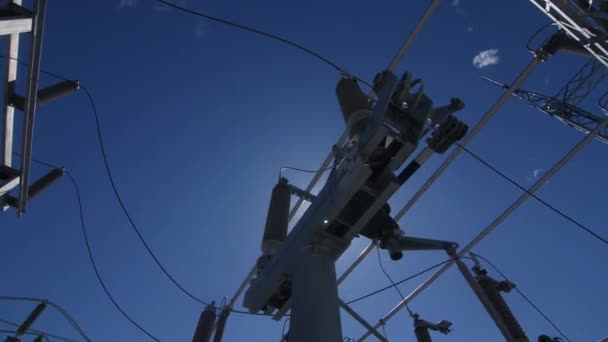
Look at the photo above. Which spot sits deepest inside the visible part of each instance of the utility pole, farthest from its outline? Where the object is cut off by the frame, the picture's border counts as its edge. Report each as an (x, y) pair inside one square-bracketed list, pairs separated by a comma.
[(297, 270), (16, 20)]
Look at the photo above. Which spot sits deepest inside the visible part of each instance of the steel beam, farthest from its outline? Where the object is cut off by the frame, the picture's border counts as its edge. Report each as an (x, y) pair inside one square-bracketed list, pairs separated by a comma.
[(31, 93), (563, 161), (361, 320), (15, 26), (568, 16), (9, 112)]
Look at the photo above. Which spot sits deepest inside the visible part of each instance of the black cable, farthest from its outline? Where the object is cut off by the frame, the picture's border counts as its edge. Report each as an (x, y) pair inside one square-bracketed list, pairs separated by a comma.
[(303, 170), (92, 259), (407, 307), (523, 295), (519, 186), (117, 194), (426, 270), (536, 33), (57, 307), (265, 34), (384, 331), (123, 206), (283, 338), (38, 332)]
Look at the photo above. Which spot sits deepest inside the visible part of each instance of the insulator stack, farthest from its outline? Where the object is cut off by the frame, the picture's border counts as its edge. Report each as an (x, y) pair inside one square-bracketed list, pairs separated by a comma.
[(277, 220), (491, 288), (423, 334), (221, 324), (206, 324)]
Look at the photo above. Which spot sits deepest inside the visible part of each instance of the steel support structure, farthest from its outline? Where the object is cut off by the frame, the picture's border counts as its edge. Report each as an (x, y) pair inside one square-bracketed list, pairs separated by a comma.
[(31, 97), (13, 26), (563, 161), (580, 24), (343, 138)]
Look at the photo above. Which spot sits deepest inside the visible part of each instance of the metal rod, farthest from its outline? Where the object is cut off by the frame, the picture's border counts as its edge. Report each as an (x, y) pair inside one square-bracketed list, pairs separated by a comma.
[(9, 112), (357, 261), (361, 320), (412, 37), (588, 138), (30, 103), (238, 292), (470, 279), (484, 120)]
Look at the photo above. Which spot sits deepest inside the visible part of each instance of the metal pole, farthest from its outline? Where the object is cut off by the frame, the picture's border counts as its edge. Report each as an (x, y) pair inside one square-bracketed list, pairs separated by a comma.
[(412, 37), (588, 138), (30, 102), (484, 120), (361, 320), (238, 292), (483, 299), (315, 313), (357, 261)]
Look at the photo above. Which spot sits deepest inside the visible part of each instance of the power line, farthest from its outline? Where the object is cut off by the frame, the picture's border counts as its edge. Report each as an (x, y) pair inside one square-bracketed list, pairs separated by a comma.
[(391, 279), (117, 194), (523, 295), (59, 309), (303, 170), (546, 204), (426, 270), (265, 34), (38, 332), (91, 258)]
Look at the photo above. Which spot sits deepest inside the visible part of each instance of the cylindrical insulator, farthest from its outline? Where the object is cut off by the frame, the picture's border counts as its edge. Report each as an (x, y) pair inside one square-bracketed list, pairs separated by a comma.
[(423, 334), (221, 324), (354, 104), (206, 324), (277, 220), (490, 288)]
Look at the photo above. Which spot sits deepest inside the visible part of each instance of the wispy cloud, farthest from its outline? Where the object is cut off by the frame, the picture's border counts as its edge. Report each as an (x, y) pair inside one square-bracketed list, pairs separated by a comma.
[(126, 3), (486, 58), (455, 3), (469, 29), (538, 172)]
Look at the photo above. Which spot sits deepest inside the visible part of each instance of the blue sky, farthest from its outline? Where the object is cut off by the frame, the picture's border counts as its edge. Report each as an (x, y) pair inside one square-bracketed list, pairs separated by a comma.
[(198, 118)]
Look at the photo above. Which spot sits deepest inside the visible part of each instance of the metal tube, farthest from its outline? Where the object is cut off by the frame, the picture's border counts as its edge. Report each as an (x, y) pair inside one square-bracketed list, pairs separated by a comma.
[(484, 120), (357, 261), (30, 103), (588, 138), (412, 37), (315, 313), (487, 304), (238, 292), (361, 320)]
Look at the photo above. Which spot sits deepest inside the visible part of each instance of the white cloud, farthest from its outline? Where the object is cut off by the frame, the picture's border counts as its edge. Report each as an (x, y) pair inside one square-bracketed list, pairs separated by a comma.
[(469, 29), (486, 58), (126, 3), (455, 3), (537, 173)]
